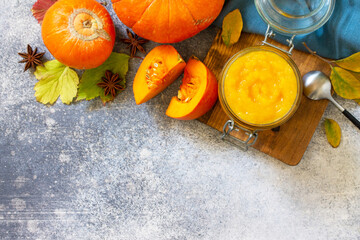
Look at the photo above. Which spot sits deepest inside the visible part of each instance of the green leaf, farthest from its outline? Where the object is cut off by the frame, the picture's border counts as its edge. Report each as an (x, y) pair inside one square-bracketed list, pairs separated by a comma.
[(88, 89), (232, 27), (333, 132), (346, 84), (55, 79), (351, 63)]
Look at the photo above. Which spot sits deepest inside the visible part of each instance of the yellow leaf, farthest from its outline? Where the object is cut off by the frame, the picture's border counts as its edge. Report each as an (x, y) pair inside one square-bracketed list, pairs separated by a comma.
[(357, 100), (351, 63), (232, 27), (55, 79), (333, 132), (346, 84)]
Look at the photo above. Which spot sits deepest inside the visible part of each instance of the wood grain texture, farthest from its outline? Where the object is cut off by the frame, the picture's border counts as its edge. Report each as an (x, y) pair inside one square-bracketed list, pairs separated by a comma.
[(290, 143)]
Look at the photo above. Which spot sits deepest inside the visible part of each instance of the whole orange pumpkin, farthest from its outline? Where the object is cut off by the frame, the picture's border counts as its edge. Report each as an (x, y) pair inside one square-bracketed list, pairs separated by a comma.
[(166, 21), (79, 33)]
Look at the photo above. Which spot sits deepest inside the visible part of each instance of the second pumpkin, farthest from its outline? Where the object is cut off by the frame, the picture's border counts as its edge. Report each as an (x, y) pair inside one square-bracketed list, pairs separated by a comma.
[(167, 21)]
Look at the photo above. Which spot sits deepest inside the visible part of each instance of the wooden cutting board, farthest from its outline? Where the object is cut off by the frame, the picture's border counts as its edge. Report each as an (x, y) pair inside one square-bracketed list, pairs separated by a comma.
[(290, 143)]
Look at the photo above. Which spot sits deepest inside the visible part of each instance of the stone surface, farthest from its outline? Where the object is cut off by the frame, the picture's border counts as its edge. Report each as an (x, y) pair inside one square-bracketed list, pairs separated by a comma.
[(123, 171)]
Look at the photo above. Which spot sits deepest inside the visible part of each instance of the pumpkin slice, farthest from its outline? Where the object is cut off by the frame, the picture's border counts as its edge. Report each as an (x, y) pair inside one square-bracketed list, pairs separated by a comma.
[(198, 92), (159, 69)]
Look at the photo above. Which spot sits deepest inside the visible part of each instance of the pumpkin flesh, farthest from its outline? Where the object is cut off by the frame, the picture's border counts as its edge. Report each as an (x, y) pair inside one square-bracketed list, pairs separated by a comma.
[(197, 95), (159, 69)]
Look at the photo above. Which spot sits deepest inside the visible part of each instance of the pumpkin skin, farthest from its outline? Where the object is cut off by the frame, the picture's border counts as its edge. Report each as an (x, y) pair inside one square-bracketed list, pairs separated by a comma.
[(198, 92), (159, 69), (166, 21), (78, 33)]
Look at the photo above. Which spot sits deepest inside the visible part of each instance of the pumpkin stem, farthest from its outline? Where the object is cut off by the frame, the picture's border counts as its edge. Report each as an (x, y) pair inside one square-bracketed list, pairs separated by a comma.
[(87, 24)]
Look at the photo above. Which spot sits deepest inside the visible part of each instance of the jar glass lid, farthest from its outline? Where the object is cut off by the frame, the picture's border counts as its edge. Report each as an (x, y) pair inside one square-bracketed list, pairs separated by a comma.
[(295, 16)]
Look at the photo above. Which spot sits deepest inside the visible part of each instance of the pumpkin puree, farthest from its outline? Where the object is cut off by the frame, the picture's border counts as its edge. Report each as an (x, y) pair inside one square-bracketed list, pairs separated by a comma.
[(260, 87)]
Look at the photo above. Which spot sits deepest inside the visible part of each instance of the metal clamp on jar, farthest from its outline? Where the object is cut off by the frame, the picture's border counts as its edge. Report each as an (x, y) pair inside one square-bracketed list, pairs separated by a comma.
[(254, 92)]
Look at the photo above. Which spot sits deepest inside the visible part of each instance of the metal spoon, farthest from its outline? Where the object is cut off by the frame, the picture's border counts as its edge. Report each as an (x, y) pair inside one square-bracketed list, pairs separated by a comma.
[(318, 86)]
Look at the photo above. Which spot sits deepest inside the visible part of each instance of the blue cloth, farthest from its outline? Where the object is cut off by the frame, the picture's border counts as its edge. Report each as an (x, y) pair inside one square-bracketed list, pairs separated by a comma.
[(338, 38)]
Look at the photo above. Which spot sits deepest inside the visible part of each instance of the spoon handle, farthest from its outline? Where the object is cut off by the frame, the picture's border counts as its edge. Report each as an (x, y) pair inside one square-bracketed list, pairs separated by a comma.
[(351, 118)]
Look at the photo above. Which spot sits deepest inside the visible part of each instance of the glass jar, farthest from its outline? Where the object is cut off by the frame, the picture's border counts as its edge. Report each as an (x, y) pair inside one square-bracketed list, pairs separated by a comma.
[(267, 125), (297, 17), (287, 17)]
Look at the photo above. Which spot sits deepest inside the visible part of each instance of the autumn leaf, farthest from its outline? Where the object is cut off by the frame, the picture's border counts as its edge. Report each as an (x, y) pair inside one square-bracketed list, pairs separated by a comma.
[(357, 100), (351, 63), (55, 79), (40, 8), (333, 132), (88, 89), (232, 27), (346, 84)]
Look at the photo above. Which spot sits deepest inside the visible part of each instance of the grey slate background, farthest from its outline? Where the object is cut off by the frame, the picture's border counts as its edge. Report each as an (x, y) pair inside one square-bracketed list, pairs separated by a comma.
[(123, 171)]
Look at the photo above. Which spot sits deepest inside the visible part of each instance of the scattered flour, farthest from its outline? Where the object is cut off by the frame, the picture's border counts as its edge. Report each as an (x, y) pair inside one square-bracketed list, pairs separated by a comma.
[(32, 226), (145, 153), (50, 122), (64, 158), (20, 182), (18, 204)]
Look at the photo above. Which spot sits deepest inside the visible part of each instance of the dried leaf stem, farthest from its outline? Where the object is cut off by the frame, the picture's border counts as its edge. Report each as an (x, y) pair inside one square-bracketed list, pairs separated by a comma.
[(314, 54)]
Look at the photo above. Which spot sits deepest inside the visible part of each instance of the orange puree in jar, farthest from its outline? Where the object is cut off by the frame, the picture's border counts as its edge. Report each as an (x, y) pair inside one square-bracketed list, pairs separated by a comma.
[(260, 87)]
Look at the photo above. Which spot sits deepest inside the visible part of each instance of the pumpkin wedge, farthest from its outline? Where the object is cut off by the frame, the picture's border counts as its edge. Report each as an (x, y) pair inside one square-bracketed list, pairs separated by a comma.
[(198, 92), (159, 69)]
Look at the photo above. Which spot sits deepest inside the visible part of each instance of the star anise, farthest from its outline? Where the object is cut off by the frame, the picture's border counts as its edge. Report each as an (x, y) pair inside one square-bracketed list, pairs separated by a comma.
[(134, 43), (31, 58), (111, 83)]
